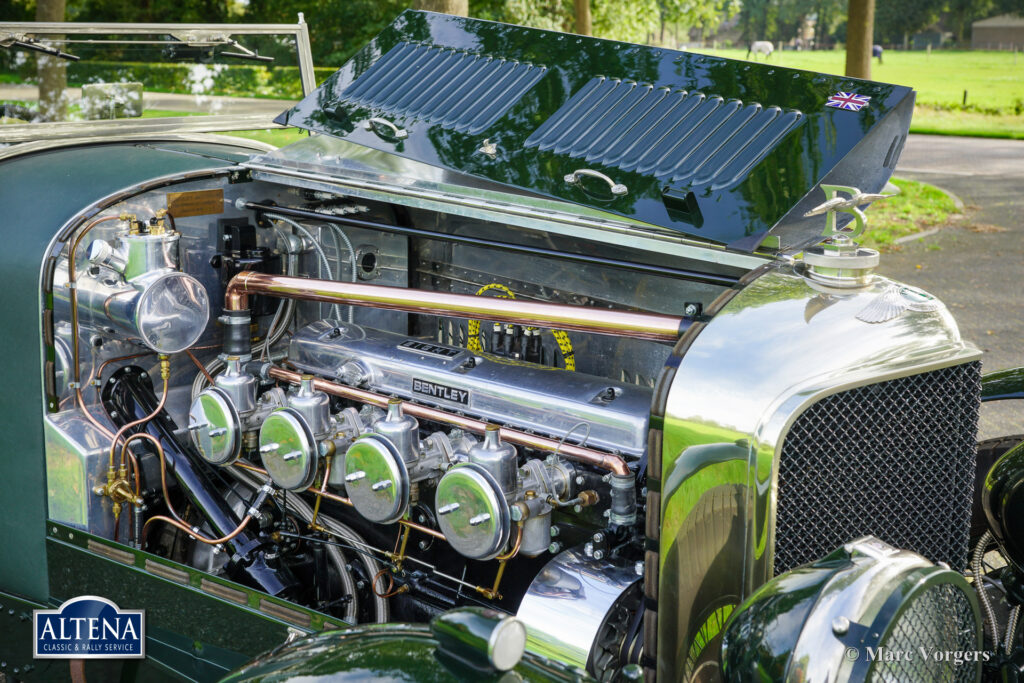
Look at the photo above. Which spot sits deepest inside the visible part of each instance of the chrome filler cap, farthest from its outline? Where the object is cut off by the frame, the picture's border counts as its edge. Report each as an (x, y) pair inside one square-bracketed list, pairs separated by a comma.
[(839, 262), (288, 450), (376, 479), (472, 512), (214, 426)]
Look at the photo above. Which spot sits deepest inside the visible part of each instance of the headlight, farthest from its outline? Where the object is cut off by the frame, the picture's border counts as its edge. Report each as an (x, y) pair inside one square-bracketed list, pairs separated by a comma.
[(865, 612)]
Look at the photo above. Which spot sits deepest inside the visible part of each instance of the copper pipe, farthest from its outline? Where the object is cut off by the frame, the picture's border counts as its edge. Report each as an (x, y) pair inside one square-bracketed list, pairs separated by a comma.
[(199, 537), (422, 529), (605, 461), (616, 322), (312, 489), (515, 546), (136, 423), (89, 416), (320, 492), (72, 285), (332, 496), (103, 366), (163, 467), (251, 468), (202, 368)]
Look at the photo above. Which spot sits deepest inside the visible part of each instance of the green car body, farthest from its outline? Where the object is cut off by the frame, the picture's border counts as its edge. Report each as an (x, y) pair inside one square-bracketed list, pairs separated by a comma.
[(732, 484)]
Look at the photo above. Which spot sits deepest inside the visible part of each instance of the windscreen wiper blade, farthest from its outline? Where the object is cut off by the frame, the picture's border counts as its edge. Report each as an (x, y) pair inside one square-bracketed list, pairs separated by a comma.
[(210, 39), (13, 41)]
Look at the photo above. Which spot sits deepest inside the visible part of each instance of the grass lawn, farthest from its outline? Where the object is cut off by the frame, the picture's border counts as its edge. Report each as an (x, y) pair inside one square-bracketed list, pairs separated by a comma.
[(278, 138), (994, 82), (918, 207)]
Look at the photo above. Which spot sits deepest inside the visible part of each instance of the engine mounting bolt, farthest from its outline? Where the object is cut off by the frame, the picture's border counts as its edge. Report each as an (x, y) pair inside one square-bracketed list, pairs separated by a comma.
[(598, 554), (639, 568), (598, 537), (840, 626), (588, 549), (554, 531), (577, 508), (555, 548), (423, 545), (580, 480)]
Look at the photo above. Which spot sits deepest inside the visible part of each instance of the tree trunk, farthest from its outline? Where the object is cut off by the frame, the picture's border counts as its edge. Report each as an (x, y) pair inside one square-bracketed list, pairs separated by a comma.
[(52, 72), (459, 7), (583, 17), (860, 28)]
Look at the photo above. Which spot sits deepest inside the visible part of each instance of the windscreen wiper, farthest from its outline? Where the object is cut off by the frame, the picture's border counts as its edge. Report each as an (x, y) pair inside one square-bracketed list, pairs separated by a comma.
[(24, 42), (245, 53), (210, 39)]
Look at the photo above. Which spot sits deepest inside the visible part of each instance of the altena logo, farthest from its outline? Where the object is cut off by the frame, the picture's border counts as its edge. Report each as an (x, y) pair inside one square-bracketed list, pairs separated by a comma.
[(89, 627)]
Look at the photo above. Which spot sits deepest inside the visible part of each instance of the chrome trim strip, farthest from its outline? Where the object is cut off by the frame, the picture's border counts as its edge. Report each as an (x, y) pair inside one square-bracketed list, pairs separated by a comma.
[(99, 28), (46, 145), (26, 132)]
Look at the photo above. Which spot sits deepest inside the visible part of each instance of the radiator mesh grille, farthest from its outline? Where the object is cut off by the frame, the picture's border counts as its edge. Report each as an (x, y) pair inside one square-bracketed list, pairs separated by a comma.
[(894, 459)]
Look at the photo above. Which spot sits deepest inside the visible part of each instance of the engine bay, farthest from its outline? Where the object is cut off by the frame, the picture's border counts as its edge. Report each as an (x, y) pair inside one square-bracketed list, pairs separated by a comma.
[(371, 463)]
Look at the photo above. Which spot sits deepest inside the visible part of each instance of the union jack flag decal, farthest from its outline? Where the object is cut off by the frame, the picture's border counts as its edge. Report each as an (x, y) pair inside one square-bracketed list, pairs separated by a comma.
[(848, 100)]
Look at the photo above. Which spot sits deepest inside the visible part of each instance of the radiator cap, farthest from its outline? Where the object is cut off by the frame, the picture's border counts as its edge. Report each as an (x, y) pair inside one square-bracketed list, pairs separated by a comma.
[(840, 263)]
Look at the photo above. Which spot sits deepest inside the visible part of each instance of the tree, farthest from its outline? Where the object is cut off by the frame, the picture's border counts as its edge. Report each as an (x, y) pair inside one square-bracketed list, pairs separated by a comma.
[(459, 7), (583, 26), (895, 21), (860, 25), (963, 12), (53, 80)]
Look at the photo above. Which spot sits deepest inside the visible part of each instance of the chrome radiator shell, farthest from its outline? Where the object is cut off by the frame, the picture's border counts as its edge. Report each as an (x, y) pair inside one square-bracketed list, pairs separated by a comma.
[(728, 399), (546, 400)]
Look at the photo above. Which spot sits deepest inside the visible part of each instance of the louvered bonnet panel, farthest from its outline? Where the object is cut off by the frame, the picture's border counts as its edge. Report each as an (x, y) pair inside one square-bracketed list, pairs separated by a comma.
[(719, 149)]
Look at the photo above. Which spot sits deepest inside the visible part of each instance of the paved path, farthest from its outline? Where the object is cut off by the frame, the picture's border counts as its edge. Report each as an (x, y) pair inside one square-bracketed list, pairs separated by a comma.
[(980, 275)]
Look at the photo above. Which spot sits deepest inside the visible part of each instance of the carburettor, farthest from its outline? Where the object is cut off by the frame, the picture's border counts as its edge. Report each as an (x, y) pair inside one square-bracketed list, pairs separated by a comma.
[(292, 431), (383, 468), (479, 498)]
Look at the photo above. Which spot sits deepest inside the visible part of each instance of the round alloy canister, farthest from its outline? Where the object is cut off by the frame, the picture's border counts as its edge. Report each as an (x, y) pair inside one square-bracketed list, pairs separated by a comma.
[(214, 425), (472, 512), (376, 480), (288, 450)]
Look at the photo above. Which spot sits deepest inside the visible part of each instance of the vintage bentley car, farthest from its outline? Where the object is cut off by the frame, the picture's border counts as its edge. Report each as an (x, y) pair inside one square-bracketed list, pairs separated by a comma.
[(540, 357)]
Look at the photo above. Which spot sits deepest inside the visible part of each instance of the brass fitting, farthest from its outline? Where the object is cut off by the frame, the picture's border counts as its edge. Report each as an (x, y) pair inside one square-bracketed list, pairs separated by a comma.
[(132, 222), (159, 227), (118, 489)]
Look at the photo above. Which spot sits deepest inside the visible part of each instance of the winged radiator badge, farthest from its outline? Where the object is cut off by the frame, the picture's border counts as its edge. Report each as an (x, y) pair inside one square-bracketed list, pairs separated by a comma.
[(839, 265), (850, 205)]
